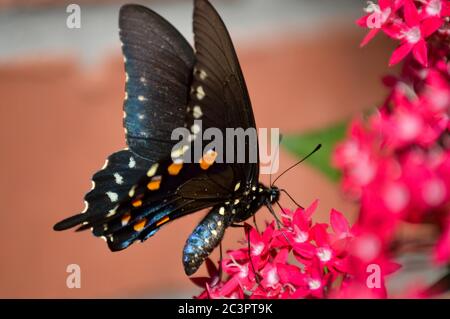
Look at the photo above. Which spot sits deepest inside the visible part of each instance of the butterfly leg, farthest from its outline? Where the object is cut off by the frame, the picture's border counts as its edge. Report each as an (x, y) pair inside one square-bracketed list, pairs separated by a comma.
[(220, 262), (254, 223), (247, 229), (269, 206)]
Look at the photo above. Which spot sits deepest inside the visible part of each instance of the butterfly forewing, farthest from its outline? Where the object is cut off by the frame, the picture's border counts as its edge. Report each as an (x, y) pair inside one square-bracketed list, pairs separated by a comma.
[(218, 88), (158, 65)]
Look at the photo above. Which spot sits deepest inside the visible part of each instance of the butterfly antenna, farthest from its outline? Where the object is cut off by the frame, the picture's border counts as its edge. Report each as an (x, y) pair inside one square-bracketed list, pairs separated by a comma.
[(291, 198), (299, 162), (276, 154)]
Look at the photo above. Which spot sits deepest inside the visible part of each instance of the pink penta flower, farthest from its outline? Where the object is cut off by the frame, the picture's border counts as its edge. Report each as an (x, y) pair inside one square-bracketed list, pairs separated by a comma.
[(412, 34), (376, 17), (437, 8)]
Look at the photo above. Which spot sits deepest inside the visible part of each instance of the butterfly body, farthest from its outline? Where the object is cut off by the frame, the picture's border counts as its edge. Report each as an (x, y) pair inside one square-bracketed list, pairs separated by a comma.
[(169, 86)]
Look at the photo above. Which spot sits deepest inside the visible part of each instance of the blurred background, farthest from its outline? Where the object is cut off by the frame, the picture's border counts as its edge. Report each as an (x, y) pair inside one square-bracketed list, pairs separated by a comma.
[(61, 96)]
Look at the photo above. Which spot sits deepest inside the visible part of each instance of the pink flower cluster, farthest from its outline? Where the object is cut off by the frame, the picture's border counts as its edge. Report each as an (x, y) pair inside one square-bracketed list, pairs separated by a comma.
[(302, 259), (397, 162), (411, 22)]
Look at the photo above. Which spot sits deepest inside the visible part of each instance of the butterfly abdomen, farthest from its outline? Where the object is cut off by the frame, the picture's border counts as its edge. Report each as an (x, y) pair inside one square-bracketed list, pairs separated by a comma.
[(205, 237)]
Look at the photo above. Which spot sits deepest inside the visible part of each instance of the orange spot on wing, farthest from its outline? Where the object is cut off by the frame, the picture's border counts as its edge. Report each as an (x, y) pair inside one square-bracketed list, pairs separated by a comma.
[(174, 168), (162, 221), (125, 219), (154, 184), (208, 159), (137, 203), (140, 225)]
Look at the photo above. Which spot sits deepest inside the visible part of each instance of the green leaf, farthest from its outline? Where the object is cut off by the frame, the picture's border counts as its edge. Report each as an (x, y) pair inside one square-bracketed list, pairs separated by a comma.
[(302, 144)]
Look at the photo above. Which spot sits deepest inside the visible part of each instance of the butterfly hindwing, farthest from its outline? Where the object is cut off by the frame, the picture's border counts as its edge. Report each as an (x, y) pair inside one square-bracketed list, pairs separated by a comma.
[(110, 186)]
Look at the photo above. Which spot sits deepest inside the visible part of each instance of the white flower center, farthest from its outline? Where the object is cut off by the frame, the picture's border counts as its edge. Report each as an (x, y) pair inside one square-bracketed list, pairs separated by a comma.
[(243, 270), (434, 192), (314, 284), (413, 35), (257, 249), (396, 197), (409, 126), (434, 7), (324, 254), (272, 277), (300, 236)]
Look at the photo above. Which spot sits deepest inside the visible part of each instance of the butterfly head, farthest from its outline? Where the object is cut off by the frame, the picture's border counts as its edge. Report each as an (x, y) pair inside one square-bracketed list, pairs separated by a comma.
[(274, 194)]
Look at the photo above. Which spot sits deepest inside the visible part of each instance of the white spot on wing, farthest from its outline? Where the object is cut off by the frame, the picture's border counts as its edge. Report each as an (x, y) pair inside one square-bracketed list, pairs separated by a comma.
[(197, 112), (141, 98), (132, 162), (112, 196), (112, 212), (202, 74), (118, 178), (132, 190), (200, 93), (195, 128), (152, 170)]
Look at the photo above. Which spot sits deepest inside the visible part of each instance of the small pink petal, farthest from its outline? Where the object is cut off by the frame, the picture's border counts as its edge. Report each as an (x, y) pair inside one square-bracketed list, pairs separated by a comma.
[(369, 36), (362, 22), (385, 4), (430, 26), (305, 250), (320, 234), (400, 53), (282, 256), (339, 223), (229, 286), (290, 274), (411, 13), (420, 53), (311, 209)]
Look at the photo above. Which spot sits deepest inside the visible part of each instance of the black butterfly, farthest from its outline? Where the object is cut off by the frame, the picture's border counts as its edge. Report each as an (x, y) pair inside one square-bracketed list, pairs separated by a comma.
[(169, 86)]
